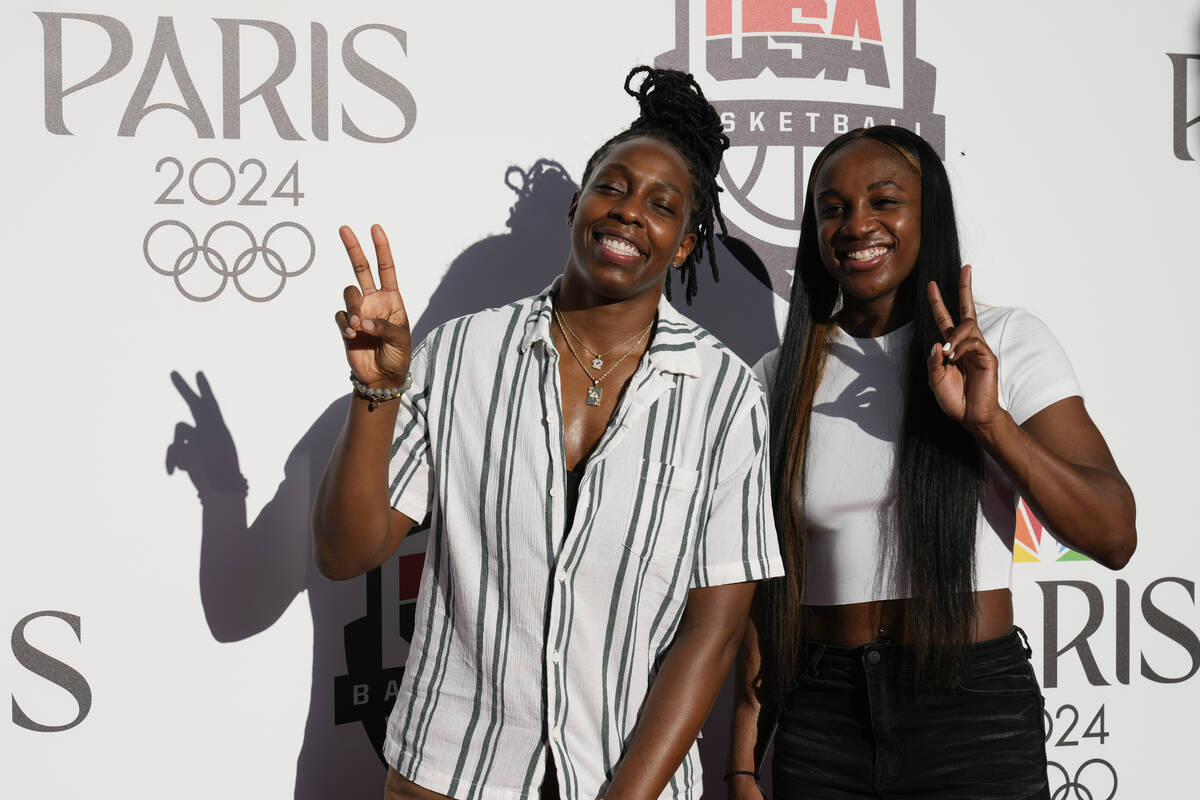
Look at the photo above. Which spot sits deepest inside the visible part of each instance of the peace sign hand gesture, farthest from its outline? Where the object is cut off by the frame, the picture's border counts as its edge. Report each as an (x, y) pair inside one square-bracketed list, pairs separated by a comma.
[(374, 325), (963, 372)]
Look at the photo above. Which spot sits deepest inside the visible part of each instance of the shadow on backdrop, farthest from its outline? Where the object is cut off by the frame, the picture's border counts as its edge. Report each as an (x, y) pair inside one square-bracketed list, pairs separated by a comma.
[(251, 571), (739, 309), (500, 269)]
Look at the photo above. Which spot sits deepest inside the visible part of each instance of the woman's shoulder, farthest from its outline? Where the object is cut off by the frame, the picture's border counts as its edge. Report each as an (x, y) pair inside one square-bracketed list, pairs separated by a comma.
[(764, 369), (1005, 324), (681, 333), (996, 317), (1035, 370), (487, 325)]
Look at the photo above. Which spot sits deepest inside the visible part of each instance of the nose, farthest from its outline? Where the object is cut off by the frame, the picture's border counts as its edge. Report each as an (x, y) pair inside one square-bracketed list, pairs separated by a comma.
[(627, 210), (858, 219)]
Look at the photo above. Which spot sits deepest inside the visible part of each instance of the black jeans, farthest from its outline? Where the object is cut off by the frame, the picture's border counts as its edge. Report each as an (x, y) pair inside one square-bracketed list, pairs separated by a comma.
[(855, 728)]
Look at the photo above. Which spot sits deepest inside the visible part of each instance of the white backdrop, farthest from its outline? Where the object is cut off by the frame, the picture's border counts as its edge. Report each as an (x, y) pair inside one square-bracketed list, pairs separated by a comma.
[(160, 644)]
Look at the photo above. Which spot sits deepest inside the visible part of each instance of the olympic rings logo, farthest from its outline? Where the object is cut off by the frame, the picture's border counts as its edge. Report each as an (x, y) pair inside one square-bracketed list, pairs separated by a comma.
[(220, 265), (1076, 785)]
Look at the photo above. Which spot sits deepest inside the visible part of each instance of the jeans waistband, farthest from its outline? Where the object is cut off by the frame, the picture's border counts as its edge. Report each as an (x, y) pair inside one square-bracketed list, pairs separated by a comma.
[(1015, 643)]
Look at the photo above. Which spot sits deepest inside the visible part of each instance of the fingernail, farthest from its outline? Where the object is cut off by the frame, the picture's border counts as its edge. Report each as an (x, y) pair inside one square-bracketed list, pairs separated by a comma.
[(368, 325), (951, 356), (946, 347), (354, 321), (933, 350)]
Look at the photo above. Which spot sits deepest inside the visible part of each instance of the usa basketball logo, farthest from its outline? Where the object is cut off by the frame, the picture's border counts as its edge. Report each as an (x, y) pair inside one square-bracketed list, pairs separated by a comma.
[(368, 690), (787, 78)]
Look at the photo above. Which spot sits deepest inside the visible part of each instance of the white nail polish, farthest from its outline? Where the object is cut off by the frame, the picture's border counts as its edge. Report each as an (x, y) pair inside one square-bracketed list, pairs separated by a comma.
[(933, 351), (946, 347)]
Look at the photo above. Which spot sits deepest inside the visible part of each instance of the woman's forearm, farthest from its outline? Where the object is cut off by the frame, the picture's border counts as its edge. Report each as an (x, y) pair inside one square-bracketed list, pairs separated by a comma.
[(354, 527), (683, 691), (1062, 467), (753, 717)]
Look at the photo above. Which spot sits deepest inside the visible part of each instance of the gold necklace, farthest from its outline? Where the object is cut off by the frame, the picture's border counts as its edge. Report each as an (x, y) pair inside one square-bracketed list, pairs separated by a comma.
[(595, 391), (598, 358)]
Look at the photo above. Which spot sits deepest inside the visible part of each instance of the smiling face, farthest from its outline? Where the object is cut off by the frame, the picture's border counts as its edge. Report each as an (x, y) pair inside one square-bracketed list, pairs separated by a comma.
[(867, 200), (631, 220)]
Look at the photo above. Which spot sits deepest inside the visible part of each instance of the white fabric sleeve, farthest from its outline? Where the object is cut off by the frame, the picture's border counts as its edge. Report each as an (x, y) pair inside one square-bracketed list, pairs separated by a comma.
[(764, 370), (410, 471), (738, 541), (1034, 369)]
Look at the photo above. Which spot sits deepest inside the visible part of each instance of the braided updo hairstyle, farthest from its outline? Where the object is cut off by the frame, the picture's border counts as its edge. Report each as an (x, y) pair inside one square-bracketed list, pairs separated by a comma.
[(673, 108)]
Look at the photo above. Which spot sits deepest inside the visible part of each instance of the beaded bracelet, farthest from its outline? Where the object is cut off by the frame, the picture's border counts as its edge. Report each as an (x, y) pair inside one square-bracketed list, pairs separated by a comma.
[(731, 773), (375, 397)]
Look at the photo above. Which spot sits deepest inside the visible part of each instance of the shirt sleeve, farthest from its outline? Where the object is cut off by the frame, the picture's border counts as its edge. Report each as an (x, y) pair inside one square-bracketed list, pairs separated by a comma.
[(738, 542), (764, 370), (1034, 369), (410, 471)]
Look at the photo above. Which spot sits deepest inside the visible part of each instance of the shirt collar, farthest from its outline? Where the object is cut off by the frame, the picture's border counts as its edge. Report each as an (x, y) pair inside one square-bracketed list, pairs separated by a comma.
[(537, 324), (673, 348)]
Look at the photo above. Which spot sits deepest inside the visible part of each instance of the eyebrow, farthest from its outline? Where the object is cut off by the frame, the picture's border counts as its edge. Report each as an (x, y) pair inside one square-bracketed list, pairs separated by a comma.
[(871, 188), (658, 182)]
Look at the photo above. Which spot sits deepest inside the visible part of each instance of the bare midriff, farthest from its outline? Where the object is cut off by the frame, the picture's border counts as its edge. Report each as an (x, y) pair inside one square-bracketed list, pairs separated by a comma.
[(855, 624)]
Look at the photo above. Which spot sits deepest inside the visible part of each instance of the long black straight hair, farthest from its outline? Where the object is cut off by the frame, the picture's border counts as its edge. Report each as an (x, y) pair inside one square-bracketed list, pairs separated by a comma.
[(938, 466)]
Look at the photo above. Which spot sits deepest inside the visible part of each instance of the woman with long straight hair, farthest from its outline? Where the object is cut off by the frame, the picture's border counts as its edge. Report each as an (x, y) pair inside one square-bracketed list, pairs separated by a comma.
[(907, 422)]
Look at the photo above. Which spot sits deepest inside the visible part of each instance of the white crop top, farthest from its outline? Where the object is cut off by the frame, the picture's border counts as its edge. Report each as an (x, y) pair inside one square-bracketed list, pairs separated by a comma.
[(850, 498)]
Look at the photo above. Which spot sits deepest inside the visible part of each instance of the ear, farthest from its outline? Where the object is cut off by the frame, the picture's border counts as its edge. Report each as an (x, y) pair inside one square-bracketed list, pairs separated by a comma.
[(571, 210), (684, 249)]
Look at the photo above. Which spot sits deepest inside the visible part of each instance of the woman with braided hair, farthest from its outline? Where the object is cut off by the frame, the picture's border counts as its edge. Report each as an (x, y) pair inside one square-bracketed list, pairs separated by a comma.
[(594, 470)]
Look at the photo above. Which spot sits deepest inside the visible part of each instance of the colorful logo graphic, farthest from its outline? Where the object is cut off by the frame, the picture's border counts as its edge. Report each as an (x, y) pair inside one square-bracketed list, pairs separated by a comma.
[(787, 78), (1032, 542)]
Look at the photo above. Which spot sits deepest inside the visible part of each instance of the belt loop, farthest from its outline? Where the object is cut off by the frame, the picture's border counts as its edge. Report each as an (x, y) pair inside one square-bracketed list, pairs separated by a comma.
[(814, 657), (1024, 641)]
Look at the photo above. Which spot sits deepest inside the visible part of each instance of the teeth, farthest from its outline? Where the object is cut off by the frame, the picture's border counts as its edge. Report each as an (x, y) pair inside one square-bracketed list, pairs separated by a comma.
[(619, 245), (866, 255)]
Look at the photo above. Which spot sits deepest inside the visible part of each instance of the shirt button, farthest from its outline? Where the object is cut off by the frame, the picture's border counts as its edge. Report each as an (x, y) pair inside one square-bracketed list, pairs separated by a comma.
[(555, 657), (873, 657), (562, 575), (554, 491)]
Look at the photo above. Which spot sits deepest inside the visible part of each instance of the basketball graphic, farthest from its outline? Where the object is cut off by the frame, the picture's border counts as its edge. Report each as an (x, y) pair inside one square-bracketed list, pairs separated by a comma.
[(788, 78)]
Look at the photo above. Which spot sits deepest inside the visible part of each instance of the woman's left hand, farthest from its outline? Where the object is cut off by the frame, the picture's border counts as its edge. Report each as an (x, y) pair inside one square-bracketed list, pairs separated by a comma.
[(963, 372), (1057, 458)]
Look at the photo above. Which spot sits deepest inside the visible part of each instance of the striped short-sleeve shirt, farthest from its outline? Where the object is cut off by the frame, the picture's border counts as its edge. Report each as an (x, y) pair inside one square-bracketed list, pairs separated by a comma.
[(529, 635)]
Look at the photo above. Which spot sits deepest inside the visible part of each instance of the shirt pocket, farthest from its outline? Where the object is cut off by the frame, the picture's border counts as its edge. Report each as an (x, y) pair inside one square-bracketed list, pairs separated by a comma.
[(664, 513)]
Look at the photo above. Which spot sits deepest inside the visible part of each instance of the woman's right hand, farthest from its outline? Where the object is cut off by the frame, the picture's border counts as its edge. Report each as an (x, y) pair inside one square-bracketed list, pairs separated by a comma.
[(742, 787), (374, 324)]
